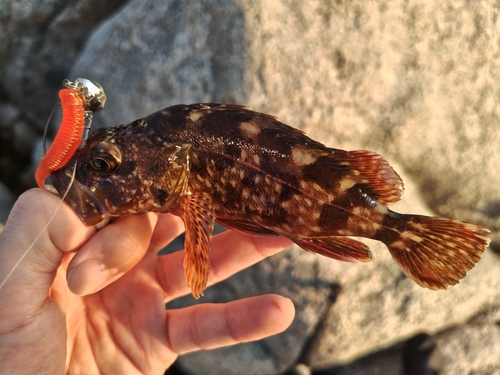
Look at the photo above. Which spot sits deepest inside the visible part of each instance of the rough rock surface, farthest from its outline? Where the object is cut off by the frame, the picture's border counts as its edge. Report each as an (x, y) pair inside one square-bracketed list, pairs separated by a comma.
[(413, 80), (39, 42), (6, 202), (459, 347)]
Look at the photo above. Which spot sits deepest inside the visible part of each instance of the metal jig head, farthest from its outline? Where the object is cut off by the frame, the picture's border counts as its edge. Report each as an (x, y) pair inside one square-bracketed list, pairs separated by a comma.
[(95, 98)]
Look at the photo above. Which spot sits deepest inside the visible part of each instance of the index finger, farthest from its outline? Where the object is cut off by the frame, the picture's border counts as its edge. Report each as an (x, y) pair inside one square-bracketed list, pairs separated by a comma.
[(231, 252), (166, 230)]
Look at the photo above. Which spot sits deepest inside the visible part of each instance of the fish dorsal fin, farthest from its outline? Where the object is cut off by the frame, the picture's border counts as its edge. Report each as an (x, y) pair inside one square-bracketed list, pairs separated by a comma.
[(199, 219), (375, 176)]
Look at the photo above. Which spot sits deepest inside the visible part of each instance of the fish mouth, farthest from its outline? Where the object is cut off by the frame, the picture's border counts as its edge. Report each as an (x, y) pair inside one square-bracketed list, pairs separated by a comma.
[(85, 203)]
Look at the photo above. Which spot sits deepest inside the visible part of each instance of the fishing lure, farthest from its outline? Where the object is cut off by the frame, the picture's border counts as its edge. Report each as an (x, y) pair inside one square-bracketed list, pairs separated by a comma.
[(79, 101)]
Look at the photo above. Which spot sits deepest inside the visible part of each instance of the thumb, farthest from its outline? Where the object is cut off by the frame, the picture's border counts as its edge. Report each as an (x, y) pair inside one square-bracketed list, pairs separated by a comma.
[(30, 235)]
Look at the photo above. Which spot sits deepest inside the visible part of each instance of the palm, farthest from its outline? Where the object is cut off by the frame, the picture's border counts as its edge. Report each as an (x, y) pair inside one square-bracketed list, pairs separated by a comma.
[(123, 326), (125, 322)]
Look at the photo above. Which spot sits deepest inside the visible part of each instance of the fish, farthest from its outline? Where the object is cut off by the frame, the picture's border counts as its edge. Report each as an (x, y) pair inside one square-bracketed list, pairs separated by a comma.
[(246, 170)]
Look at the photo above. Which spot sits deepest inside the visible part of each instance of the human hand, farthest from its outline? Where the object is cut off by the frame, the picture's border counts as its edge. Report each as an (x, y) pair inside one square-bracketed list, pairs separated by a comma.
[(123, 327)]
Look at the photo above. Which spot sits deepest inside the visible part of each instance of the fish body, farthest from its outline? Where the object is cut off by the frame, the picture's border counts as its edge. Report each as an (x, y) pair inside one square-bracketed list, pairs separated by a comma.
[(250, 172)]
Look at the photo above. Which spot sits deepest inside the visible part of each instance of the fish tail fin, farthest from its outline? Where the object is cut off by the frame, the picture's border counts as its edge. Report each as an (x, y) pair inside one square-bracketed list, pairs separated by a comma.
[(437, 252)]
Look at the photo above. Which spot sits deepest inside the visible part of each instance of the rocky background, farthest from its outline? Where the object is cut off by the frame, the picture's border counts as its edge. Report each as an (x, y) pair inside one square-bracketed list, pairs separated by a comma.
[(413, 80)]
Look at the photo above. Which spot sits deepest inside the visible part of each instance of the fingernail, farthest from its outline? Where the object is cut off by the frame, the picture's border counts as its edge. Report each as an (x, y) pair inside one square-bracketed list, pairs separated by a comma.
[(87, 277)]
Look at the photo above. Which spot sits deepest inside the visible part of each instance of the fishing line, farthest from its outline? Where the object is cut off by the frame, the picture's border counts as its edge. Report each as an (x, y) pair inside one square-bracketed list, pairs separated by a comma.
[(43, 230), (46, 130)]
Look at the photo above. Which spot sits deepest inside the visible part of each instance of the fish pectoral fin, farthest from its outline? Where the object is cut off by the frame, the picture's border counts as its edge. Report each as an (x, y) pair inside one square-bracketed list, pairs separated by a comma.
[(245, 228), (199, 219), (374, 175), (336, 247)]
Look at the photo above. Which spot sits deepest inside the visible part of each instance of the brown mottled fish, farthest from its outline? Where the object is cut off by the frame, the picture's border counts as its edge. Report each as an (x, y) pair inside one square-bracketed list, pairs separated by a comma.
[(250, 172)]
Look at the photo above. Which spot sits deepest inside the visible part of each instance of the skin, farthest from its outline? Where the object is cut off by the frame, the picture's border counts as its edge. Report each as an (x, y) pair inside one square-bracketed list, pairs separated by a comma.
[(87, 301)]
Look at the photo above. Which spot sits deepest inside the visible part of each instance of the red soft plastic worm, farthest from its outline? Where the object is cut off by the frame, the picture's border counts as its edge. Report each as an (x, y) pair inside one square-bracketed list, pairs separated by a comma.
[(67, 138)]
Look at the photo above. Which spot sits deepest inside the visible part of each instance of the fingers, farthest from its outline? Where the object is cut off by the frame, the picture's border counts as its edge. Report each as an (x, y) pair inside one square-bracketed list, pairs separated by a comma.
[(30, 233), (209, 326), (230, 253), (114, 250), (167, 229)]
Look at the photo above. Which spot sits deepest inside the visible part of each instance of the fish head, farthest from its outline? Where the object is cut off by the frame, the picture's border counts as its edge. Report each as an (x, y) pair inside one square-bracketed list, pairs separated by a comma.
[(121, 171)]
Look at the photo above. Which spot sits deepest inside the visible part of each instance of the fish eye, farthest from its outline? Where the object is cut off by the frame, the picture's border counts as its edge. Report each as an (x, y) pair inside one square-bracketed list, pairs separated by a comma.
[(104, 158), (101, 165)]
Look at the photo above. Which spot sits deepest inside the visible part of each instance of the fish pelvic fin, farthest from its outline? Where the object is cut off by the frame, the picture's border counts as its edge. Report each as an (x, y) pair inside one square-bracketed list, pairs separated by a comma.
[(199, 219), (437, 252), (336, 247)]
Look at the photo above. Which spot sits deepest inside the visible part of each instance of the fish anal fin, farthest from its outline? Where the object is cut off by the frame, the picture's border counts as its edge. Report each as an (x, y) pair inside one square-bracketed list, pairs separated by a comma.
[(199, 219), (437, 252), (336, 247), (375, 176), (244, 227)]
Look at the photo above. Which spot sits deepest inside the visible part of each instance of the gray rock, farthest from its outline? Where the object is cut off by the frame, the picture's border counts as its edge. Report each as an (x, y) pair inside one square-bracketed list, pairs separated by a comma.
[(387, 362), (39, 42), (174, 54), (10, 116), (25, 137), (7, 200), (17, 139), (472, 349)]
